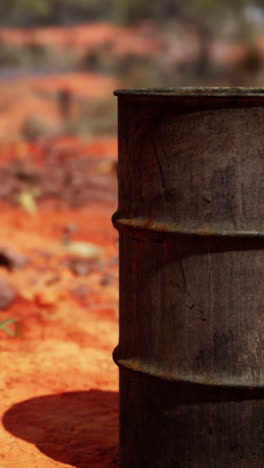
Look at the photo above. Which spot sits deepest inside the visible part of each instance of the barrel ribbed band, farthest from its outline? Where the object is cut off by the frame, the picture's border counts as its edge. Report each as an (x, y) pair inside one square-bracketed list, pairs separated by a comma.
[(169, 227), (140, 366)]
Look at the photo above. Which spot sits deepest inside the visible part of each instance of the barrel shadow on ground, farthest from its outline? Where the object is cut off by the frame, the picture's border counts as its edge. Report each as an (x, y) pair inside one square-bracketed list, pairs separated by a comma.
[(76, 428)]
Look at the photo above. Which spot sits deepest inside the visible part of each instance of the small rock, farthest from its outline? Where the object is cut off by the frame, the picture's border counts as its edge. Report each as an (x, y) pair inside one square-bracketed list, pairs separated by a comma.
[(11, 259), (52, 280), (106, 166), (106, 280), (81, 266), (69, 230), (114, 261), (7, 295), (81, 291), (83, 249)]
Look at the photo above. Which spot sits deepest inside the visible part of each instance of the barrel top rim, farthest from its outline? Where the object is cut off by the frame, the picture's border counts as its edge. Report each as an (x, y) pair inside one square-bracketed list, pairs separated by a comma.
[(193, 92)]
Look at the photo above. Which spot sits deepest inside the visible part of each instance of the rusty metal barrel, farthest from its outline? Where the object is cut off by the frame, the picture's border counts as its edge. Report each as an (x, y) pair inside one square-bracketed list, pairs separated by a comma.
[(191, 234)]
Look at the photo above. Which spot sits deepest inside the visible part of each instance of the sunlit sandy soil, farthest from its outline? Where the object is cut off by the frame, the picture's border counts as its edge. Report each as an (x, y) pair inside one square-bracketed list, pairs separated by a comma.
[(58, 400)]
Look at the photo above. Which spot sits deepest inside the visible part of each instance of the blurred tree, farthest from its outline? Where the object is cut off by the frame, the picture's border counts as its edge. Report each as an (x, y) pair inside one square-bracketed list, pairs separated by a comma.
[(130, 11), (69, 11), (205, 16), (34, 12), (212, 9), (23, 11), (164, 9)]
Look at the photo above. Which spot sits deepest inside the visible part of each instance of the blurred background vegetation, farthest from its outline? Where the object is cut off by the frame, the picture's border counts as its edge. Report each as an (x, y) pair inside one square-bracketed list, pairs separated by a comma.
[(136, 42), (56, 12)]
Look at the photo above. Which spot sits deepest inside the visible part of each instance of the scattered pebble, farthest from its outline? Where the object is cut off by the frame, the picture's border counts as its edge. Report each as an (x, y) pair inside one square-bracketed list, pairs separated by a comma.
[(81, 266), (69, 230), (107, 165), (106, 280), (11, 259), (52, 280), (7, 295), (81, 291), (113, 261), (83, 249)]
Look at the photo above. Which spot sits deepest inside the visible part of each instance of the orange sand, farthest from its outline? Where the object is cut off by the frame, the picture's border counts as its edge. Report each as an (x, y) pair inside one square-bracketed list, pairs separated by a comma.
[(58, 402)]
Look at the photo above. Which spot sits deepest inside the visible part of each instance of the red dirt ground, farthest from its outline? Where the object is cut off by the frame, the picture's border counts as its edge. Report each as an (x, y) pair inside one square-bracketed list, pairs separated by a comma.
[(59, 386), (35, 99)]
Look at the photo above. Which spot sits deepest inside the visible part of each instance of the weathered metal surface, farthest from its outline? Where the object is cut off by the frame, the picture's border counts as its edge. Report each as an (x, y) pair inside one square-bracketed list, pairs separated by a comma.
[(191, 224)]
